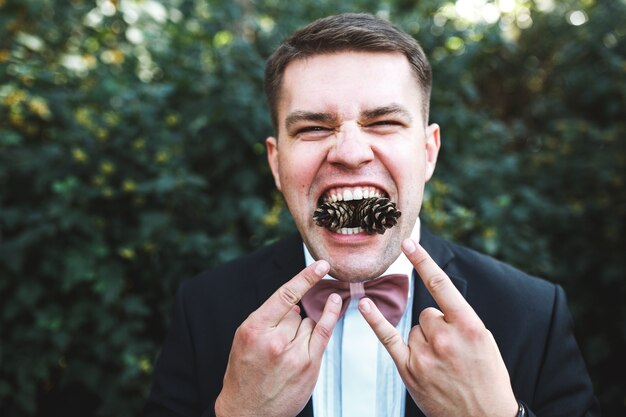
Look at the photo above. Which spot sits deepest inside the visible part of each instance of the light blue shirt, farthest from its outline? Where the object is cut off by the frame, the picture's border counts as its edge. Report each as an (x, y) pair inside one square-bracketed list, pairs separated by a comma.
[(357, 376)]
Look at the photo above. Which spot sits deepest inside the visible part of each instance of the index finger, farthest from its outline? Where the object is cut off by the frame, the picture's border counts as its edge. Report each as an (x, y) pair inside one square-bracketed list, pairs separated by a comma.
[(289, 294), (385, 331), (447, 296)]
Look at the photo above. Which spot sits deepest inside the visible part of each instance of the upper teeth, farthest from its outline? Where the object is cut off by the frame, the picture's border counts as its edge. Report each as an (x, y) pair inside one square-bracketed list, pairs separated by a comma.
[(352, 193)]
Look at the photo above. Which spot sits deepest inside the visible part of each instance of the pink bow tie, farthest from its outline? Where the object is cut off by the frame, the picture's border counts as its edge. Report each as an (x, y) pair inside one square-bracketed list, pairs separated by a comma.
[(388, 292)]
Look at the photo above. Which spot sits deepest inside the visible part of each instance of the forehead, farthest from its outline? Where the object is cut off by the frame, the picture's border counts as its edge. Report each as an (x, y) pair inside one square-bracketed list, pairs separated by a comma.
[(348, 82)]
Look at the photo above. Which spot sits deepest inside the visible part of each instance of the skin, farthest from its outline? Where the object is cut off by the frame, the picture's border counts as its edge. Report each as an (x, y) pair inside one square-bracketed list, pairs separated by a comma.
[(451, 365), (276, 355), (354, 119)]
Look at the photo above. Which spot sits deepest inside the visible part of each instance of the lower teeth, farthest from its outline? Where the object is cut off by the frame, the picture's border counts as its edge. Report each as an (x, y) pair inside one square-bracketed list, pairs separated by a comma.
[(376, 214), (349, 230)]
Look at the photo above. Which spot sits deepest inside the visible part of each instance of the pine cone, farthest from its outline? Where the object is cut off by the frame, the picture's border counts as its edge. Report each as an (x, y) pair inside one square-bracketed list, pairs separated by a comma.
[(333, 215), (377, 215), (372, 214)]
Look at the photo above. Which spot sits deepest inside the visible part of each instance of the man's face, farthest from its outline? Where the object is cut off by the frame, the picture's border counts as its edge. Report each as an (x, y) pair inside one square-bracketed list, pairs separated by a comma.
[(351, 123)]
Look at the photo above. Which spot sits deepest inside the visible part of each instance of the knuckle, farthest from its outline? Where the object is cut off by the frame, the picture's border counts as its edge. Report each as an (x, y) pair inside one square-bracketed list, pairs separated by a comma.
[(473, 332), (323, 331), (309, 278), (249, 334), (442, 343), (288, 295), (437, 281), (428, 313), (245, 334), (476, 333), (275, 347), (390, 339)]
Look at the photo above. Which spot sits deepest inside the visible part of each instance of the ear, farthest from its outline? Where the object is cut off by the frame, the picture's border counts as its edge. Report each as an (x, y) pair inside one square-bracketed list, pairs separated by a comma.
[(271, 145), (433, 143)]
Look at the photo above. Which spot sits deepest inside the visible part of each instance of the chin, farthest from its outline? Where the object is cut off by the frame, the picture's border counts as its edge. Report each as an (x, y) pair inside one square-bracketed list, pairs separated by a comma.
[(364, 272), (355, 258)]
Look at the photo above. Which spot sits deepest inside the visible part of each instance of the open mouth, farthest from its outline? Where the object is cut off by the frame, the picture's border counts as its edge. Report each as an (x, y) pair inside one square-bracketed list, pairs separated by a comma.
[(355, 210)]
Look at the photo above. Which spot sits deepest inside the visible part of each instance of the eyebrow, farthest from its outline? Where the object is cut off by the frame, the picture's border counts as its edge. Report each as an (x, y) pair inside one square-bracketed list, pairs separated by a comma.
[(392, 109), (299, 116)]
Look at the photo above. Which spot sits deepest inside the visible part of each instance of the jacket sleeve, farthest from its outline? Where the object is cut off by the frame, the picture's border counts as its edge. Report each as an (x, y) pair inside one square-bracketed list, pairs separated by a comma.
[(564, 387), (175, 391)]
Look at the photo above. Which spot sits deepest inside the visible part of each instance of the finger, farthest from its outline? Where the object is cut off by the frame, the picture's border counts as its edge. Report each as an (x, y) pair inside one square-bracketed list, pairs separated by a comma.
[(449, 299), (385, 331), (290, 293), (289, 325), (320, 335), (430, 320), (417, 339), (304, 331)]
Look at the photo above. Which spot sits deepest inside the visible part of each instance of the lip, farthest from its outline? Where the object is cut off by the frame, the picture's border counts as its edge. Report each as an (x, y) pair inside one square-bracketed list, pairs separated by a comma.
[(343, 240)]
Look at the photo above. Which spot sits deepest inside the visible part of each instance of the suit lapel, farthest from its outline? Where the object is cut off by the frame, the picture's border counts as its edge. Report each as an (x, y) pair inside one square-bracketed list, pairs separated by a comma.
[(287, 259), (443, 256)]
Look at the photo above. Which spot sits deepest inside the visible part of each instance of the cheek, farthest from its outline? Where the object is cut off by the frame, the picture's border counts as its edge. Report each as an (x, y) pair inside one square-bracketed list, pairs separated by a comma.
[(294, 176), (301, 164), (297, 176), (406, 163)]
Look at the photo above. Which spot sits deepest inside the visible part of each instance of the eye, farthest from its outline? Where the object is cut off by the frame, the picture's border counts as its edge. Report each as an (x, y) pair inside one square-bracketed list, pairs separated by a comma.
[(384, 126), (385, 123), (311, 132), (311, 129)]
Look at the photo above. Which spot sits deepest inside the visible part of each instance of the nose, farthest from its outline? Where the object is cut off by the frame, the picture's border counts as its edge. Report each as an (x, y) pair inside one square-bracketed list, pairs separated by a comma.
[(351, 148)]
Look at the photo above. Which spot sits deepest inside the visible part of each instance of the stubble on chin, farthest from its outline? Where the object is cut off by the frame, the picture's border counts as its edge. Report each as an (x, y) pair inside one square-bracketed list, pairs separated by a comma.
[(357, 268), (358, 275), (359, 264)]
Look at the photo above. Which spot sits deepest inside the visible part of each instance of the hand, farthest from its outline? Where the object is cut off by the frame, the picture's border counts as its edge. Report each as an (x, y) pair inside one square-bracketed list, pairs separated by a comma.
[(276, 355), (451, 365)]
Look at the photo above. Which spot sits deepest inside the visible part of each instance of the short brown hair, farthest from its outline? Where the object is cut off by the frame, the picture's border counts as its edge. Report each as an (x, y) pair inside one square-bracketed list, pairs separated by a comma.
[(345, 32)]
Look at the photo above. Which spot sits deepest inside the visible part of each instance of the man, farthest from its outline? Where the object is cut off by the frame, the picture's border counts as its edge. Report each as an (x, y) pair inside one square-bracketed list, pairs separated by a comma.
[(260, 336)]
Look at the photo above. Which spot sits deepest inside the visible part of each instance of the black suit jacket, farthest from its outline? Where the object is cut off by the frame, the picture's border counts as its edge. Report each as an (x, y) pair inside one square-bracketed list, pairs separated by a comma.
[(528, 317)]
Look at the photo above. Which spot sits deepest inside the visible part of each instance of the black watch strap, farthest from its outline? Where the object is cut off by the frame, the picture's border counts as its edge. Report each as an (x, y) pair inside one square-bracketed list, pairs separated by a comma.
[(521, 411)]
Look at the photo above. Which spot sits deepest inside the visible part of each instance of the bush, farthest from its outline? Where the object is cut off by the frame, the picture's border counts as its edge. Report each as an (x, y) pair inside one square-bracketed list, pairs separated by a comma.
[(132, 157)]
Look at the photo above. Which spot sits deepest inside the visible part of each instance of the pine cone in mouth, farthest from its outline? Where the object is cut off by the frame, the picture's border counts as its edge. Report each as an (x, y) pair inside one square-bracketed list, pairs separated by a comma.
[(375, 214)]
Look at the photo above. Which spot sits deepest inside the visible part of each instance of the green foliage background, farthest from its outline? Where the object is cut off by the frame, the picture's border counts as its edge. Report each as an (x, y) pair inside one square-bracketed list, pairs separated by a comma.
[(132, 157)]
